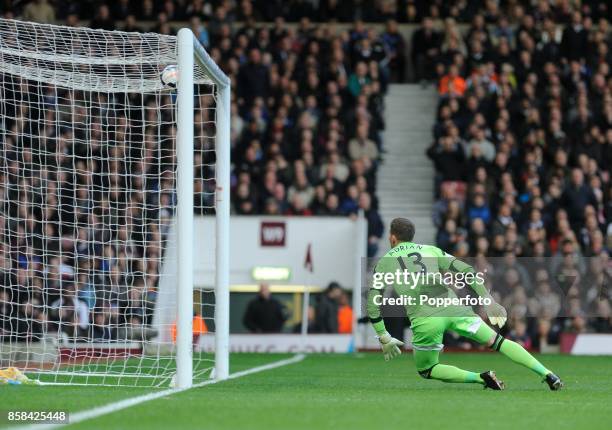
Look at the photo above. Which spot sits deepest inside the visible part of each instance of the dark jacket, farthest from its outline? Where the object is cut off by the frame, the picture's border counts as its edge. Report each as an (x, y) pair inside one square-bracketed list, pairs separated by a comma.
[(326, 315), (574, 200), (574, 43), (252, 82), (450, 164), (264, 315)]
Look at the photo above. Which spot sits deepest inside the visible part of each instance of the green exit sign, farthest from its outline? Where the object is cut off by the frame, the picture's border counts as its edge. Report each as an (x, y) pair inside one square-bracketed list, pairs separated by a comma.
[(267, 273)]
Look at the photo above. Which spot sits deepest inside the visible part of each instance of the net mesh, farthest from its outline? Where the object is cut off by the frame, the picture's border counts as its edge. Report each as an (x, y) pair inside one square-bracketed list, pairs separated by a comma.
[(87, 203)]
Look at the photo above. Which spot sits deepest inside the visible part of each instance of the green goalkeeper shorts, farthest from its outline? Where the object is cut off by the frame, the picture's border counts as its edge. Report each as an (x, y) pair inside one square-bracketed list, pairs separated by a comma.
[(428, 332)]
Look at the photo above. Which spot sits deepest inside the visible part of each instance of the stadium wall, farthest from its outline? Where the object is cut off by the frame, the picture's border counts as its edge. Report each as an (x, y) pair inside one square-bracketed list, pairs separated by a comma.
[(284, 343), (314, 251), (586, 344)]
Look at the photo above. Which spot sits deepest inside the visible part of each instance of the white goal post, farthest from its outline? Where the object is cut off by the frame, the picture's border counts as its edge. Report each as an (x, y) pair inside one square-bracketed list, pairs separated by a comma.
[(190, 51), (101, 163)]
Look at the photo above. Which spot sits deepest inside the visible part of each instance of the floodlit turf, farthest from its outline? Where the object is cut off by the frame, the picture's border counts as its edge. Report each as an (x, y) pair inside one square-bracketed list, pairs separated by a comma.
[(354, 392)]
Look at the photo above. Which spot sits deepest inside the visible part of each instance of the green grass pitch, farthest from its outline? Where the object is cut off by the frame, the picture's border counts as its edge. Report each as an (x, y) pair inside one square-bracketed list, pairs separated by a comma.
[(359, 391)]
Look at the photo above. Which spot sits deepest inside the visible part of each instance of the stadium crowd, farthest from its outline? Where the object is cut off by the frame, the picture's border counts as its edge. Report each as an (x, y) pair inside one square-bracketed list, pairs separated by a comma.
[(522, 150), (307, 112)]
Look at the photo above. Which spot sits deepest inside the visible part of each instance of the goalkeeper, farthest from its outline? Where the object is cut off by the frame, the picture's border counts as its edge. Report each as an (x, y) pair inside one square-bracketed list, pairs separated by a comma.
[(430, 322)]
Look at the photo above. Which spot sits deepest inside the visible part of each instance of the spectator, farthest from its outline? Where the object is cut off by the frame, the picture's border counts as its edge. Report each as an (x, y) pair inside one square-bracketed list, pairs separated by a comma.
[(603, 322), (131, 24), (519, 334), (546, 333), (69, 304), (264, 314), (395, 47), (31, 320), (574, 44), (350, 205), (545, 301), (39, 11), (252, 78), (297, 328), (345, 314), (576, 197), (486, 148), (199, 328), (448, 159), (103, 19), (479, 209), (426, 43), (452, 84), (358, 79), (326, 310), (199, 30), (360, 147), (375, 223), (121, 9), (448, 236)]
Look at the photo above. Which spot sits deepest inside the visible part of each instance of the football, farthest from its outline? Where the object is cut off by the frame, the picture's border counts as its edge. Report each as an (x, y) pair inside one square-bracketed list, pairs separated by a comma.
[(169, 76)]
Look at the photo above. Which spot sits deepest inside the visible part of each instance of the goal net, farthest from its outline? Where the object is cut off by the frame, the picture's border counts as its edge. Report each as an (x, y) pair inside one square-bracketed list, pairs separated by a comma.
[(102, 168)]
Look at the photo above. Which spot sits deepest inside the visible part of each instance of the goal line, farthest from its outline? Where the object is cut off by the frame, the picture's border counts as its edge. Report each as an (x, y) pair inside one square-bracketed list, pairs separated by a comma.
[(110, 408)]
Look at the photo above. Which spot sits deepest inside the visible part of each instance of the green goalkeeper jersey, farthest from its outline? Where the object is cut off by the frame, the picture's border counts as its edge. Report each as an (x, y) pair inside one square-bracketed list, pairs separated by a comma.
[(423, 277)]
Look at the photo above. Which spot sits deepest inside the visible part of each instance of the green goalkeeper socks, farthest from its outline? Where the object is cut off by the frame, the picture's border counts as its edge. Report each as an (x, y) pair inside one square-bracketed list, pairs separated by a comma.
[(518, 354), (445, 373), (510, 349)]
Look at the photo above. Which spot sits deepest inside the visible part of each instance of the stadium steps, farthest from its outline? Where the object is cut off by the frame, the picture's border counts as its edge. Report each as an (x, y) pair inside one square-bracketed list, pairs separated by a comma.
[(405, 179)]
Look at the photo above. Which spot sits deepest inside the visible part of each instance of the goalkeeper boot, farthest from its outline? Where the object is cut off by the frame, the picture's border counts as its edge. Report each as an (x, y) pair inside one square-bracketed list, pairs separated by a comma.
[(491, 381), (554, 382)]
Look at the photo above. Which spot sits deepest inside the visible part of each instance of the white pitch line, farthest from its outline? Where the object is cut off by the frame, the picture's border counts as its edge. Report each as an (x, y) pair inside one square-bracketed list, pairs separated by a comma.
[(78, 417)]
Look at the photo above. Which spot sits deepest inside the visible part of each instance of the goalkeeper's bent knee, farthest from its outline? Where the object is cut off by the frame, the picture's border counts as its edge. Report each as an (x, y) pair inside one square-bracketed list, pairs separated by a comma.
[(427, 372), (497, 342)]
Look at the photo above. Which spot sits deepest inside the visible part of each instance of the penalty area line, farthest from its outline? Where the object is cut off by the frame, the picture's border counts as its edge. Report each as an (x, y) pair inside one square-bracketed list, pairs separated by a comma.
[(110, 408)]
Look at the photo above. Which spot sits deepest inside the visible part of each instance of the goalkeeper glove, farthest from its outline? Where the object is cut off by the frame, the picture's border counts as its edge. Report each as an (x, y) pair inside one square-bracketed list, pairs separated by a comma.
[(390, 346), (497, 314)]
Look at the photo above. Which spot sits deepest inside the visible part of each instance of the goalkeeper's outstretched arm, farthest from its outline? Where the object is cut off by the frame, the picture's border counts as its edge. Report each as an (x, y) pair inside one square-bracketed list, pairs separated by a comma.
[(496, 312), (374, 297), (390, 345), (476, 285)]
